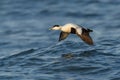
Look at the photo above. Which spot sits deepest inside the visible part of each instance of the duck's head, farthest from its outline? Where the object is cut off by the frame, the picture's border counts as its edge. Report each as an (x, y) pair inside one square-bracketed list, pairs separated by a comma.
[(55, 27)]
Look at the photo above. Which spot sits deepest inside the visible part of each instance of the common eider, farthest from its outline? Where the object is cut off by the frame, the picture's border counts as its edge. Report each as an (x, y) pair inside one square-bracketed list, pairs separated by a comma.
[(74, 29)]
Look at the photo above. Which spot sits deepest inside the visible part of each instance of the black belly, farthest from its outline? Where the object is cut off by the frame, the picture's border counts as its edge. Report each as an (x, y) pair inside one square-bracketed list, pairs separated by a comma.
[(73, 31)]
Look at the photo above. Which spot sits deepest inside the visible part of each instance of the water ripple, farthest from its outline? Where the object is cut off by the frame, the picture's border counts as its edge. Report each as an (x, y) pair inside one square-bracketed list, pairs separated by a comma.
[(29, 51)]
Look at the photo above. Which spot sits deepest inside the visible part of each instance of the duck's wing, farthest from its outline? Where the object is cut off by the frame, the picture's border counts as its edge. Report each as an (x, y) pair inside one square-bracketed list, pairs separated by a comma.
[(86, 37), (63, 35)]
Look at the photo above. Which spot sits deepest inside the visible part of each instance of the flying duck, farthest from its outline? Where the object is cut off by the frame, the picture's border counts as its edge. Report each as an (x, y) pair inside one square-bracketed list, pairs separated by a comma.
[(74, 29)]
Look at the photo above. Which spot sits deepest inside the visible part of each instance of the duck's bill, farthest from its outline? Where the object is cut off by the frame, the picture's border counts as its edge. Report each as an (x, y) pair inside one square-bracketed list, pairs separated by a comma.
[(50, 28)]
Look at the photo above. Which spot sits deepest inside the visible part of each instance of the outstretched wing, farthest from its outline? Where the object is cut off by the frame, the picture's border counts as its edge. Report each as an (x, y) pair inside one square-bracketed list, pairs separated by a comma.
[(86, 38), (63, 35)]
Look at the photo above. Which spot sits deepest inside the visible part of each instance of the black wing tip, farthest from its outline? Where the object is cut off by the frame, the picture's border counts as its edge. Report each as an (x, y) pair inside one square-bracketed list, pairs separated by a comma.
[(89, 41), (86, 38)]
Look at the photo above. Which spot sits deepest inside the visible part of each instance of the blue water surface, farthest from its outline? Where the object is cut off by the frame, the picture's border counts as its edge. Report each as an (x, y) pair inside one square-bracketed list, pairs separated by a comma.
[(29, 51)]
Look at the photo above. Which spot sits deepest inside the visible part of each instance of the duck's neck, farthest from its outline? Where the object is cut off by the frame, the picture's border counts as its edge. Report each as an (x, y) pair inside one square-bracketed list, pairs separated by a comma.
[(60, 28)]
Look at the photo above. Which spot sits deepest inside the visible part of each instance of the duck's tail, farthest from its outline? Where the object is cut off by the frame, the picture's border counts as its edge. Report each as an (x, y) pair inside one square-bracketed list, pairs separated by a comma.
[(89, 30)]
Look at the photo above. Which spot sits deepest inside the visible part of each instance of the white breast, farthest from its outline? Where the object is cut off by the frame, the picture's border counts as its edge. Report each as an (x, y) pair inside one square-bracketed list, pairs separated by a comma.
[(67, 28)]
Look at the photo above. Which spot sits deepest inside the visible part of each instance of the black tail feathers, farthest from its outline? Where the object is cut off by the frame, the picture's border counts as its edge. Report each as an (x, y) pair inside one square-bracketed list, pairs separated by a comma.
[(89, 30)]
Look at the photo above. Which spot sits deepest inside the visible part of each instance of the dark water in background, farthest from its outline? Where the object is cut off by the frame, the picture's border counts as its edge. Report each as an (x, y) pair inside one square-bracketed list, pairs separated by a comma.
[(29, 51)]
